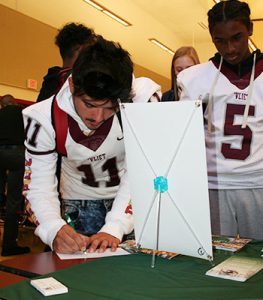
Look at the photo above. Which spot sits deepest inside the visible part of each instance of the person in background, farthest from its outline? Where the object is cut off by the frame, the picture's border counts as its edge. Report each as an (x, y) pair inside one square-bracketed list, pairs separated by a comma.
[(231, 84), (2, 183), (183, 58), (12, 159), (70, 40), (2, 188), (94, 186), (145, 90)]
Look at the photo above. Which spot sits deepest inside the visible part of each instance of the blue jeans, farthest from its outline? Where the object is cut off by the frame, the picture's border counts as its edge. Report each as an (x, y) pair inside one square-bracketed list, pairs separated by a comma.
[(87, 216)]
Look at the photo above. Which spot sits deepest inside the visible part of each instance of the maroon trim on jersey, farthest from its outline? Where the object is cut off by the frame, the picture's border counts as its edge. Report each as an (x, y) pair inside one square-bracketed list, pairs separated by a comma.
[(156, 96), (243, 81), (94, 141), (40, 153), (60, 121)]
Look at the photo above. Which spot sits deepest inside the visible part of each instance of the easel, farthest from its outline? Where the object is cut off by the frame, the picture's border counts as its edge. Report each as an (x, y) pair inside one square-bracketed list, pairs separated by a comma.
[(161, 184)]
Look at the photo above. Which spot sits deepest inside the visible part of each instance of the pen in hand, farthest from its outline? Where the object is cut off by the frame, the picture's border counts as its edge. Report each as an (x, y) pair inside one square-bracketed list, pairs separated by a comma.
[(69, 221), (71, 224)]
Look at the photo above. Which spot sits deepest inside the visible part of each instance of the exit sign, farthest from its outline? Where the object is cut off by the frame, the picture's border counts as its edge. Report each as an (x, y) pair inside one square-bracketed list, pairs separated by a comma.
[(32, 84)]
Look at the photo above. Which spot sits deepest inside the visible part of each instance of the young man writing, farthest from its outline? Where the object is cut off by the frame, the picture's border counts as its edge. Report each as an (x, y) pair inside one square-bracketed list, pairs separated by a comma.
[(93, 178)]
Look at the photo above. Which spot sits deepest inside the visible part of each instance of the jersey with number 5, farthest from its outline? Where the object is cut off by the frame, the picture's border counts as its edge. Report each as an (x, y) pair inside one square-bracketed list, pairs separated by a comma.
[(234, 154)]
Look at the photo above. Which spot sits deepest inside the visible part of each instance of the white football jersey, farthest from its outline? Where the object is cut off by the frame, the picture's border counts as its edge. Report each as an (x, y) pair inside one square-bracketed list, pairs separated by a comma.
[(234, 154), (93, 168)]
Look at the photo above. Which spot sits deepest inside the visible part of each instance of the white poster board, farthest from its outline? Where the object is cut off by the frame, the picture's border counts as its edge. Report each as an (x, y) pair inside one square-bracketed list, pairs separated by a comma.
[(160, 138)]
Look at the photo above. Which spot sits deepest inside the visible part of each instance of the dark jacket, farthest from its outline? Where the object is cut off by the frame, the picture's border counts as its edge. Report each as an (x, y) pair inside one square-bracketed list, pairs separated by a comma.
[(11, 125), (168, 96), (53, 81)]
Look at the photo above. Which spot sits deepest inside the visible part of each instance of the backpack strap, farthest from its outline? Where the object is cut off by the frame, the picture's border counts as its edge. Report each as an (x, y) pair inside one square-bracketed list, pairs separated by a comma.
[(62, 77), (60, 124)]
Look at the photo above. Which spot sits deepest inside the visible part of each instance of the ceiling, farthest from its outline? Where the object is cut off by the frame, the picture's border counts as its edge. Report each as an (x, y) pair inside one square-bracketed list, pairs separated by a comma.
[(175, 23)]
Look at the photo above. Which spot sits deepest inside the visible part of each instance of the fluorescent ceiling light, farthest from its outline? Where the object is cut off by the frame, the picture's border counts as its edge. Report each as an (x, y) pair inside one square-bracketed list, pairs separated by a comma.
[(95, 5), (161, 45), (202, 25), (116, 18), (107, 12)]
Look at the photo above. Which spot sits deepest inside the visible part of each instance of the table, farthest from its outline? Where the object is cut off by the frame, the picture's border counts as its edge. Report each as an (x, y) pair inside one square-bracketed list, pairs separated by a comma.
[(9, 278), (32, 265), (131, 278)]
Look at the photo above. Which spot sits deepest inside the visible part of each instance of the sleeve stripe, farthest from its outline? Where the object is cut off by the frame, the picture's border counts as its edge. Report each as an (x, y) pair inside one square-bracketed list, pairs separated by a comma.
[(40, 152)]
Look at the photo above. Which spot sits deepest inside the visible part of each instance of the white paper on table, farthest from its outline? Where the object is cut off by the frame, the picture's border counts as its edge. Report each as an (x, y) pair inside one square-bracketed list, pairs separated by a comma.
[(81, 255), (154, 134)]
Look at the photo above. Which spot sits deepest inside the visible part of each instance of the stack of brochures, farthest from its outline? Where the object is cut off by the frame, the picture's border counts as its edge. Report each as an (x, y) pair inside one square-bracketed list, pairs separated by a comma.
[(237, 268), (130, 246), (232, 244)]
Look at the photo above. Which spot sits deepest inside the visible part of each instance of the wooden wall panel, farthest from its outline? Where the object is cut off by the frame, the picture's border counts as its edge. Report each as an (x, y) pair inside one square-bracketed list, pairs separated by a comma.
[(27, 50)]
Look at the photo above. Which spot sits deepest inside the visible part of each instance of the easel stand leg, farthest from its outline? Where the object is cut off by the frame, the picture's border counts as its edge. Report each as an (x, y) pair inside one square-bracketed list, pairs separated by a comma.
[(157, 231)]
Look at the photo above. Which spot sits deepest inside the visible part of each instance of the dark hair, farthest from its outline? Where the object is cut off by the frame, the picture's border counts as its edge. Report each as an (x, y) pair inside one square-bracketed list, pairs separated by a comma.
[(7, 100), (103, 71), (71, 37), (229, 10)]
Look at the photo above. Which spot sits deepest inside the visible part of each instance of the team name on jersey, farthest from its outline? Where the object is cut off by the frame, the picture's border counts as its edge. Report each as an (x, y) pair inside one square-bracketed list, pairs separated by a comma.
[(97, 158), (240, 96)]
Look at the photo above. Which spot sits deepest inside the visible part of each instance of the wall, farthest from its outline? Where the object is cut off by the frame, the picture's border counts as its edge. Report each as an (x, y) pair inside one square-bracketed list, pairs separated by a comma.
[(27, 50)]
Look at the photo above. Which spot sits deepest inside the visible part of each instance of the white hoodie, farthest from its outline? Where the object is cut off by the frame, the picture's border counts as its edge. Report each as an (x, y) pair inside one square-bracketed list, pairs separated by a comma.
[(145, 90)]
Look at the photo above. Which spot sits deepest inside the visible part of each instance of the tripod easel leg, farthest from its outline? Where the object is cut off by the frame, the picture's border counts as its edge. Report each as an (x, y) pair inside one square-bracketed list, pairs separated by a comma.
[(157, 230)]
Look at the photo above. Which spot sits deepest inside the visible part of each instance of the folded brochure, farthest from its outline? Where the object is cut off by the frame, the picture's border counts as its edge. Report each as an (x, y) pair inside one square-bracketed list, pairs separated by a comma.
[(232, 244), (237, 268), (131, 247)]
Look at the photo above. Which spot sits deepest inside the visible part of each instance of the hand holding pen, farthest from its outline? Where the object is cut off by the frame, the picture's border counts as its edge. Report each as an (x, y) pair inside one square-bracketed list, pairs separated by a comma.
[(68, 240)]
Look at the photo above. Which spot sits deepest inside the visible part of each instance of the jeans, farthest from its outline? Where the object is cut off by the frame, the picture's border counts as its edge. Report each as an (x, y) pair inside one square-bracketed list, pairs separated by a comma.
[(86, 216)]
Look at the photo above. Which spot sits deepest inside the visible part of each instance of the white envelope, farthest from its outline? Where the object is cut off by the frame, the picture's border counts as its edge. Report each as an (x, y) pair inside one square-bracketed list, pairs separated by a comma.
[(167, 139)]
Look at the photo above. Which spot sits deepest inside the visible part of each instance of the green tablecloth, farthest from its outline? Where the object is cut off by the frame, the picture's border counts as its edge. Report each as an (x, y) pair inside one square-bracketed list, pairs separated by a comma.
[(131, 277)]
